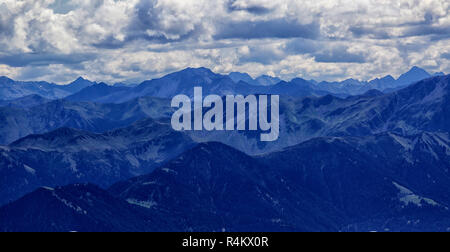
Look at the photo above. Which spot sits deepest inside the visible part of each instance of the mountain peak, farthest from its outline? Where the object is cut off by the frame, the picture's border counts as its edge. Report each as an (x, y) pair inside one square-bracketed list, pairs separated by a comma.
[(4, 78), (79, 80), (414, 75), (82, 82), (190, 72), (245, 77), (266, 80), (417, 70), (79, 84), (388, 78), (197, 70)]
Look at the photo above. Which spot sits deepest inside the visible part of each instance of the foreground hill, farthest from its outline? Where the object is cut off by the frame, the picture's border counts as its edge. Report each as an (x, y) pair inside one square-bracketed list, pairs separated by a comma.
[(211, 187), (81, 208), (377, 183), (382, 182), (215, 187)]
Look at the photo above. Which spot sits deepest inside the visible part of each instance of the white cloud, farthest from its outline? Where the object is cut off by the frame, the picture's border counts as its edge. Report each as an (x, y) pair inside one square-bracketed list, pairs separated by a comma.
[(141, 39)]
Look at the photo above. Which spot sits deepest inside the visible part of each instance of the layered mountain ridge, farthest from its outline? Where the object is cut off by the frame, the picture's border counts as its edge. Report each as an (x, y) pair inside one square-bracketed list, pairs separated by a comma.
[(375, 161)]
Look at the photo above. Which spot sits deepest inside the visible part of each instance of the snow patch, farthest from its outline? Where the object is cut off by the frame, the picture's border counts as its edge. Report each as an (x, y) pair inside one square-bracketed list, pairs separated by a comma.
[(144, 204), (72, 164), (70, 205), (133, 161), (407, 197), (167, 170), (29, 169), (406, 143)]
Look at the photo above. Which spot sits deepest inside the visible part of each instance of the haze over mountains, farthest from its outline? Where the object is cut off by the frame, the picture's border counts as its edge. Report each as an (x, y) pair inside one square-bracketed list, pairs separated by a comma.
[(10, 89), (183, 81), (352, 156), (91, 108)]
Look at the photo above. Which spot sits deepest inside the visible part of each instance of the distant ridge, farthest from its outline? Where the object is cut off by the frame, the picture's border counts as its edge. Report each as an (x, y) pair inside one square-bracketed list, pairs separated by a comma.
[(183, 82), (10, 89)]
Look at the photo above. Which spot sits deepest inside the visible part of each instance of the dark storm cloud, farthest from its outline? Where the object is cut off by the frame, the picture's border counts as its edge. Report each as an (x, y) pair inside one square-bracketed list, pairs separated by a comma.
[(371, 32), (254, 9), (22, 60), (446, 55), (428, 26), (302, 46), (4, 29), (339, 54), (162, 38), (425, 30), (332, 53), (263, 55), (6, 18), (35, 72), (276, 28), (109, 43)]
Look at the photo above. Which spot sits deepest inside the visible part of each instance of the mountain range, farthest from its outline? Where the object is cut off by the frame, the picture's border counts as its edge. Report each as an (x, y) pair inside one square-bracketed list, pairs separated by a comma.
[(105, 158), (421, 106), (67, 156), (182, 82), (326, 184), (20, 121), (10, 89)]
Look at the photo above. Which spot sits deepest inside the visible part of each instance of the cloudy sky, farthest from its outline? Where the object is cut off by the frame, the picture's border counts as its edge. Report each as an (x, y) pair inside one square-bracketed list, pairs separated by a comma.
[(134, 40)]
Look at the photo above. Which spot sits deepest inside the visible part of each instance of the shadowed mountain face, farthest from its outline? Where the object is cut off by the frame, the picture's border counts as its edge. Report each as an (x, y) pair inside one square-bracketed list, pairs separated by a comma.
[(80, 208), (99, 93), (213, 187), (25, 102), (413, 75), (401, 180), (209, 188), (20, 122), (68, 156), (78, 85), (326, 184)]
